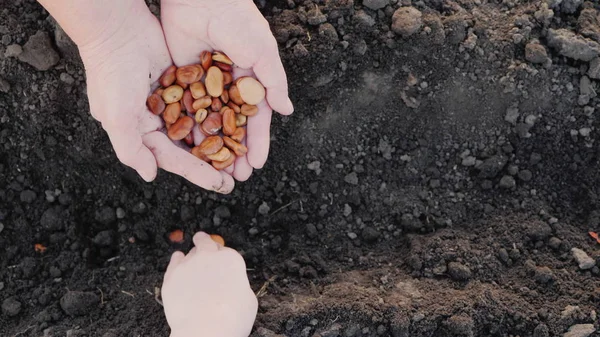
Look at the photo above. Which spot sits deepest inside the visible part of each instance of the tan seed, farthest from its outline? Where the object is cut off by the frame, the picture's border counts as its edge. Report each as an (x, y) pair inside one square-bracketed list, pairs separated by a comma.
[(234, 95), (251, 91), (220, 57), (172, 113), (240, 120), (172, 94), (155, 104), (237, 148), (188, 101), (234, 106), (206, 59), (196, 152), (249, 110), (198, 90), (189, 74), (168, 77), (239, 135), (181, 128), (201, 115), (229, 122), (222, 155), (221, 165), (214, 81), (223, 66), (211, 145), (227, 78), (202, 103)]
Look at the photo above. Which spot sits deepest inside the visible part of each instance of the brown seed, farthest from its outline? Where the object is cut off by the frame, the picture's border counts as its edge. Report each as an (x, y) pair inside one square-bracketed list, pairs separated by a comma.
[(239, 135), (216, 104), (189, 74), (223, 66), (227, 78), (155, 104), (206, 59), (201, 115), (225, 107), (188, 101), (172, 94), (212, 124), (220, 57), (211, 145), (168, 77), (249, 110), (159, 91), (234, 95), (196, 152), (235, 107), (240, 120), (214, 81), (222, 155), (237, 148), (172, 113), (229, 122), (202, 103), (181, 128), (189, 139), (251, 91), (198, 90), (221, 165), (181, 84), (225, 96)]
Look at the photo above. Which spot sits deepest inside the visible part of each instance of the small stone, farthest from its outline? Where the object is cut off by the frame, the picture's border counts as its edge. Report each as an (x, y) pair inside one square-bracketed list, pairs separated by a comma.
[(469, 161), (78, 303), (223, 212), (28, 196), (300, 50), (544, 275), (4, 85), (364, 19), (120, 213), (492, 166), (311, 231), (541, 330), (39, 53), (554, 243), (14, 50), (352, 236), (580, 330), (525, 175), (507, 182), (360, 47), (315, 17), (583, 259), (459, 271), (104, 238), (460, 325), (512, 114), (139, 208), (52, 219), (375, 4), (351, 178), (370, 234), (264, 208), (187, 213), (594, 69), (406, 21), (535, 53), (328, 31), (11, 307), (68, 79), (106, 215)]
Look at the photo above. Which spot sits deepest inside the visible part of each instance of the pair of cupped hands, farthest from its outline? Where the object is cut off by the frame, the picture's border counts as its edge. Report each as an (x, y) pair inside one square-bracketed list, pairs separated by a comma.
[(123, 64)]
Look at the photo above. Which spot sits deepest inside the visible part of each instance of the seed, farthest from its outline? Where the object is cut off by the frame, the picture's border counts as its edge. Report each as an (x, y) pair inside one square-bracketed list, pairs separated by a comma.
[(225, 96), (172, 94), (239, 149), (198, 90), (251, 91), (189, 74), (211, 145), (172, 113), (202, 103), (240, 120), (227, 78), (221, 165), (229, 122), (239, 135), (188, 101), (155, 104), (181, 84), (196, 152), (220, 57), (218, 239), (189, 139), (235, 107), (223, 66), (201, 115), (206, 59), (234, 95), (212, 124), (222, 155), (159, 91), (249, 110), (181, 128), (214, 81), (168, 77), (216, 104)]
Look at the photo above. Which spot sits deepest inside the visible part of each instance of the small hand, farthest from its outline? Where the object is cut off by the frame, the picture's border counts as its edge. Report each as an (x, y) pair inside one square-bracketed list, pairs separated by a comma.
[(120, 70), (238, 29), (207, 293)]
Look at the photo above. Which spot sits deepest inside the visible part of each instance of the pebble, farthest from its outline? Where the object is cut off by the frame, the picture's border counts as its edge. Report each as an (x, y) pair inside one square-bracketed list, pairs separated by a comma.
[(187, 213), (507, 182), (14, 50), (375, 4), (594, 68), (264, 208), (11, 307), (104, 238), (459, 271), (68, 79), (580, 330), (347, 210), (28, 196), (50, 197), (315, 17), (352, 235), (364, 19), (139, 208), (406, 21), (39, 53), (469, 161), (583, 259), (78, 303), (223, 212), (536, 53), (541, 330), (512, 115), (360, 47), (492, 166), (300, 50), (351, 178), (370, 234), (544, 275), (525, 175), (106, 215), (52, 219), (328, 31), (311, 231), (120, 213), (4, 85)]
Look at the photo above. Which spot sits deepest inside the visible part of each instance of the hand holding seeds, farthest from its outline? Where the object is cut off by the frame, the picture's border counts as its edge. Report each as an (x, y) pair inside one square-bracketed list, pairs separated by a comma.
[(239, 30)]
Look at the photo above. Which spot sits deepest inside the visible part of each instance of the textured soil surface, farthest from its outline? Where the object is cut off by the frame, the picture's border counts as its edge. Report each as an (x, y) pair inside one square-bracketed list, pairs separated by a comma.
[(439, 178)]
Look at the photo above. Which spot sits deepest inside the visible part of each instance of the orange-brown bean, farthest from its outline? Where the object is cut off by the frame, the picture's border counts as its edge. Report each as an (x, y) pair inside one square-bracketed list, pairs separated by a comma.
[(181, 128), (238, 148)]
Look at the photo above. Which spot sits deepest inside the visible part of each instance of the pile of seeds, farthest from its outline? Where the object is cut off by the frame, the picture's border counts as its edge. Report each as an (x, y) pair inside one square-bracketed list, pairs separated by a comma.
[(205, 96)]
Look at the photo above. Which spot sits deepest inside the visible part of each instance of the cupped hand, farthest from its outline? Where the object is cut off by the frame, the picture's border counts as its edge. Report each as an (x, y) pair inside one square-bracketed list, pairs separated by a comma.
[(207, 292), (238, 29), (121, 68)]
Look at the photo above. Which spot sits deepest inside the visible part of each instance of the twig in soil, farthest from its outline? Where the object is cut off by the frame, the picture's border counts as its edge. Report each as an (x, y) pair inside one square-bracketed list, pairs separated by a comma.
[(309, 37), (24, 331), (101, 296), (283, 207), (263, 290), (157, 296), (112, 258), (127, 293)]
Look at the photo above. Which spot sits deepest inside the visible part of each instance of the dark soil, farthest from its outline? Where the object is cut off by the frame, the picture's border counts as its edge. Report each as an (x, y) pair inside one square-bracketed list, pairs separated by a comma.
[(428, 185)]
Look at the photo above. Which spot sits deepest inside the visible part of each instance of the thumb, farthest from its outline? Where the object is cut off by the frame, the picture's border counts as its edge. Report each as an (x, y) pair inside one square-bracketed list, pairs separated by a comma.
[(176, 259), (132, 152)]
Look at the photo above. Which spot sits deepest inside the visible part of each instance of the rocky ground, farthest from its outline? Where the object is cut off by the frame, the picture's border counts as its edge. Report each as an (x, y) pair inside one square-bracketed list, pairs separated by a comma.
[(439, 178)]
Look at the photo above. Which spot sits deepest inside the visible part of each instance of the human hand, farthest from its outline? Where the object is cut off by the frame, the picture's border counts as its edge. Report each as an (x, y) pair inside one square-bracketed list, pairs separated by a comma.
[(206, 292), (238, 29)]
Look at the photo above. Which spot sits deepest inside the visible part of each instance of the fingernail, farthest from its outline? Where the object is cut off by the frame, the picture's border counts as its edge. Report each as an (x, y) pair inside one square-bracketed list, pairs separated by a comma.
[(148, 177), (290, 105)]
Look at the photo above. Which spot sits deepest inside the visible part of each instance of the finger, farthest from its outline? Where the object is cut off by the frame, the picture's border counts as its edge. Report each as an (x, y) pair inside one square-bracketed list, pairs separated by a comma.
[(184, 45), (176, 160), (204, 243), (258, 138), (231, 168), (131, 151), (270, 72), (176, 259), (243, 169)]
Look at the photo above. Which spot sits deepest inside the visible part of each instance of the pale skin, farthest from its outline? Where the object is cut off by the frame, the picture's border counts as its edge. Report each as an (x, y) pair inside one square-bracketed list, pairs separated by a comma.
[(125, 49)]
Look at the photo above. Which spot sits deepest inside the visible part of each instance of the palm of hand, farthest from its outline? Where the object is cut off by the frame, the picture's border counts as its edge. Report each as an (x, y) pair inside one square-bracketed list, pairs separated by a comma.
[(237, 28)]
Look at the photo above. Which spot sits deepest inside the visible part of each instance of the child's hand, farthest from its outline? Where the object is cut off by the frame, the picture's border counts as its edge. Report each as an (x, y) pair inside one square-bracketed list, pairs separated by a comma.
[(206, 293)]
